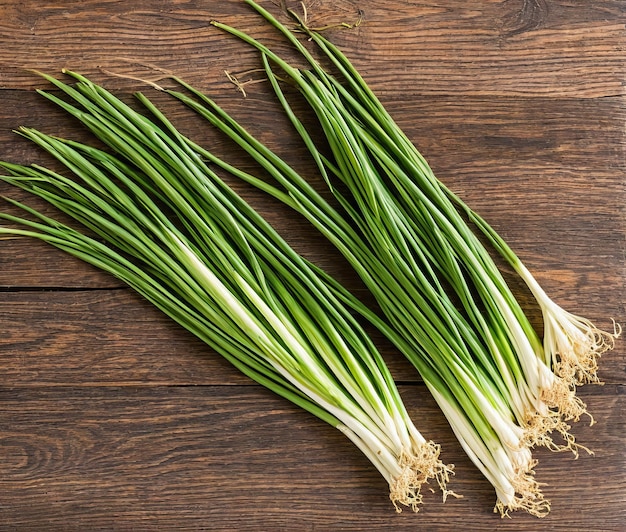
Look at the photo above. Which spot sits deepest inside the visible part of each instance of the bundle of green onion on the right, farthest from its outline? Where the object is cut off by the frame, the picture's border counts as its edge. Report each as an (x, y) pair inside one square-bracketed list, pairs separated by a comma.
[(445, 304)]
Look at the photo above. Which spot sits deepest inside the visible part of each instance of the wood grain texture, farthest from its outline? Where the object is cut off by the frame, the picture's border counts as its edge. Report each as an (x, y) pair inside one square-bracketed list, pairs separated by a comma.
[(238, 458), (113, 418), (514, 47)]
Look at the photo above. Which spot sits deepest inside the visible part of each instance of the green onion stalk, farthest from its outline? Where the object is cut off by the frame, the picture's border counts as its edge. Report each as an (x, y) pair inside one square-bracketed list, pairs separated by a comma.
[(445, 303), (157, 217)]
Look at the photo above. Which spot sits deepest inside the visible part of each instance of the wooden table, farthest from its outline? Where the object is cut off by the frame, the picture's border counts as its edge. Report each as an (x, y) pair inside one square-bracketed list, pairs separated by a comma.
[(113, 418)]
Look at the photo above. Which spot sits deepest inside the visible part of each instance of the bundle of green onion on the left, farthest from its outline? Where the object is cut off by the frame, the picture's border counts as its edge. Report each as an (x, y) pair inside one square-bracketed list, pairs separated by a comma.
[(158, 218)]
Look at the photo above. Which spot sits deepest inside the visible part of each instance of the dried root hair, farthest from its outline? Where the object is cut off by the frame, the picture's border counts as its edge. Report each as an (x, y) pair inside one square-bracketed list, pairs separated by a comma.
[(528, 495), (417, 468)]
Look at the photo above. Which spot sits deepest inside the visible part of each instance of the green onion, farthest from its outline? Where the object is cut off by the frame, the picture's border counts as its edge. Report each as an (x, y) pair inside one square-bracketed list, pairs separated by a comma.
[(157, 217), (445, 303)]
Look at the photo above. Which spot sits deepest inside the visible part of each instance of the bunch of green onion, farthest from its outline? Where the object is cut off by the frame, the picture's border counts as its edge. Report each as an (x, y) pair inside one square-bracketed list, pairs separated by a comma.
[(179, 236), (445, 303), (157, 217)]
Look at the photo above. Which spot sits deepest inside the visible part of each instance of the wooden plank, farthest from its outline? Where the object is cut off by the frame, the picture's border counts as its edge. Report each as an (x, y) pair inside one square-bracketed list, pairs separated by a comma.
[(113, 337), (239, 458), (487, 48), (524, 160)]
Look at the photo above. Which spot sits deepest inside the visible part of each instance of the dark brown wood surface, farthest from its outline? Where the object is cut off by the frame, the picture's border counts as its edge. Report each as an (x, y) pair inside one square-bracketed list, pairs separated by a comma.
[(113, 418)]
